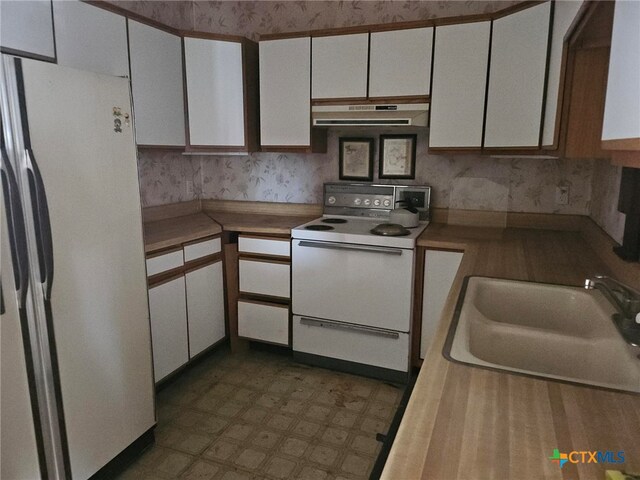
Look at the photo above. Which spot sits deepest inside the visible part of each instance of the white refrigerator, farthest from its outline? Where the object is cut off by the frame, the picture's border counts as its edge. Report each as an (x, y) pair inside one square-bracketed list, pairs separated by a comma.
[(76, 364)]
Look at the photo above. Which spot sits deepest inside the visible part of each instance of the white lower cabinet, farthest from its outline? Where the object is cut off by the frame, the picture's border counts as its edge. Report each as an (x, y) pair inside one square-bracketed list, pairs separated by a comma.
[(205, 307), (440, 268), (263, 321), (168, 311), (263, 277)]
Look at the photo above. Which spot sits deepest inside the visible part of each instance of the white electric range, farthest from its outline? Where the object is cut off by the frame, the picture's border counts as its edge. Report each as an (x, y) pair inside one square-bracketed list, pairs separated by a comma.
[(352, 290)]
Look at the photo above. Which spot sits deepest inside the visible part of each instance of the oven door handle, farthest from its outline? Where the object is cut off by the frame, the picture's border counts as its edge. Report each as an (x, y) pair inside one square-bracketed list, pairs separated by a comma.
[(348, 246), (312, 322)]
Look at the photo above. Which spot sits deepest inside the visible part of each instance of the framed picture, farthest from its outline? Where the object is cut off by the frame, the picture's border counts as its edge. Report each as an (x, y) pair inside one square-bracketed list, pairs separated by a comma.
[(398, 156), (356, 158)]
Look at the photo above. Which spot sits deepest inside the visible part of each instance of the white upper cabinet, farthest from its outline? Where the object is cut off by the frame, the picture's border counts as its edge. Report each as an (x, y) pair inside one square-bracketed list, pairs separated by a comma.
[(460, 64), (26, 28), (563, 15), (622, 105), (400, 62), (157, 86), (339, 66), (517, 78), (215, 92), (90, 38), (285, 103)]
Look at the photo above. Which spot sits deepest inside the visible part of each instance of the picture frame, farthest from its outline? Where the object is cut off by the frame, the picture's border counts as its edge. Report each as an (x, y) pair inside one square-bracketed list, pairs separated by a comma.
[(398, 156), (356, 158)]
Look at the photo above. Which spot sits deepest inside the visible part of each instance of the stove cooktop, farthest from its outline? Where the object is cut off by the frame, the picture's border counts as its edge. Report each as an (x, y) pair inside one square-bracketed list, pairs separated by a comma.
[(356, 230)]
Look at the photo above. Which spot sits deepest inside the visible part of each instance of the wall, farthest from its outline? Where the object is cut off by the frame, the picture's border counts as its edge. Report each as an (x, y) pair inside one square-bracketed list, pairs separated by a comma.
[(529, 183), (604, 199)]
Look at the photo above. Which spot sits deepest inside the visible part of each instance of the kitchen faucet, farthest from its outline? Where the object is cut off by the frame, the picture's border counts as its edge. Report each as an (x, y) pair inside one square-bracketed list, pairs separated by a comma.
[(627, 302)]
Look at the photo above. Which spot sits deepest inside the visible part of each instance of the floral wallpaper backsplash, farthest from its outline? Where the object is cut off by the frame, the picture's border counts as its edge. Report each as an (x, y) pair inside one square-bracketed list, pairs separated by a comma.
[(605, 191), (528, 184)]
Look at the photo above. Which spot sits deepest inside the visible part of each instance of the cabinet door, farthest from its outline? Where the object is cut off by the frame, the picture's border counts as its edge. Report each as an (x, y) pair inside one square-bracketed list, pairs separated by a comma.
[(156, 85), (90, 38), (26, 28), (461, 57), (168, 310), (563, 15), (215, 92), (622, 105), (285, 104), (339, 66), (400, 62), (517, 78), (205, 307), (440, 269)]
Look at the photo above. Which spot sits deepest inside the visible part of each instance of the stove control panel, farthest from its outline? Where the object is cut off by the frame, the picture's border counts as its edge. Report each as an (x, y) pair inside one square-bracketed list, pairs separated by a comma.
[(376, 201)]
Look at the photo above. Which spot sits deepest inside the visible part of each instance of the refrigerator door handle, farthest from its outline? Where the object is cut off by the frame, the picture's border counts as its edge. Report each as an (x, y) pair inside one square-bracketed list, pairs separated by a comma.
[(15, 228), (42, 224)]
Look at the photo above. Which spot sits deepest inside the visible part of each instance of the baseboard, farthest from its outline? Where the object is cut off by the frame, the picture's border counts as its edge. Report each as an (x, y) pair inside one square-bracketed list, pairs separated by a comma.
[(380, 373), (126, 457)]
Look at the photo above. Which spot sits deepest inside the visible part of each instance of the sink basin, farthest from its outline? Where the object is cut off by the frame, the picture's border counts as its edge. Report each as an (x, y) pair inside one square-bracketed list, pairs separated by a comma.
[(553, 331)]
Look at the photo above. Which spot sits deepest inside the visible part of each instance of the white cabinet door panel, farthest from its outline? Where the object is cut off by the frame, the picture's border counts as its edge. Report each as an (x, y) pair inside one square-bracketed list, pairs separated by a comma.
[(285, 99), (400, 62), (168, 311), (517, 78), (563, 15), (215, 92), (264, 246), (157, 86), (27, 26), (265, 278), (339, 66), (91, 38), (440, 269), (622, 106), (205, 307), (260, 321), (459, 83)]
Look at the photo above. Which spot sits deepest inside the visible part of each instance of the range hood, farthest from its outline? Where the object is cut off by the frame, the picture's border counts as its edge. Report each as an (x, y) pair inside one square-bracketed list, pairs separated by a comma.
[(371, 115)]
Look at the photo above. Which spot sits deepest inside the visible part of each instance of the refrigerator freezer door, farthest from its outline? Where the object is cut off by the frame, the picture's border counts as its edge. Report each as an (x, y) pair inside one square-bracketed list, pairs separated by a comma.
[(82, 139), (18, 447)]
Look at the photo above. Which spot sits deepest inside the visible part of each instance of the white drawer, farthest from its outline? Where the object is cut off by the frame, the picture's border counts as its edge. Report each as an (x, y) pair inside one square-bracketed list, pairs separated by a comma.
[(264, 246), (265, 278), (201, 249), (260, 321), (380, 348), (163, 263)]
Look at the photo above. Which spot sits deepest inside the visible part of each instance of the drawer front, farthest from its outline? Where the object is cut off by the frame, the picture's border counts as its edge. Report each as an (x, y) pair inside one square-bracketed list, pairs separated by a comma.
[(381, 348), (163, 263), (263, 322), (201, 249), (265, 278), (264, 246)]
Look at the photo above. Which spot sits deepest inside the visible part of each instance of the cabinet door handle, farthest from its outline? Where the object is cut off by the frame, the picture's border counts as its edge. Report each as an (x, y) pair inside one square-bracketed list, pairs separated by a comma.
[(377, 332)]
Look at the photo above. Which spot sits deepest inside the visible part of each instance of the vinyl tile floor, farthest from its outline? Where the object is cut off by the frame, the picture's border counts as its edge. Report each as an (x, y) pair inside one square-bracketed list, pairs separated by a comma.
[(259, 414)]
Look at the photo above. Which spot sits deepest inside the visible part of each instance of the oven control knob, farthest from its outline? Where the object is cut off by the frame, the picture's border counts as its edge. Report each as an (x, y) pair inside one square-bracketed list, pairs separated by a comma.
[(367, 202), (387, 203), (357, 201), (331, 200), (376, 202)]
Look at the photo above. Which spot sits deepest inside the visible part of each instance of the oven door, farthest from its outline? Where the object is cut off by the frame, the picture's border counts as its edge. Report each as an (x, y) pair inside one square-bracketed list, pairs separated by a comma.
[(358, 284)]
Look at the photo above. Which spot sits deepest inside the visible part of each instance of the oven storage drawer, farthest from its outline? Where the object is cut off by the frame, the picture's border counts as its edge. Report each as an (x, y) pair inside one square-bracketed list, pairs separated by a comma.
[(359, 284), (264, 278), (279, 247), (353, 343), (263, 321)]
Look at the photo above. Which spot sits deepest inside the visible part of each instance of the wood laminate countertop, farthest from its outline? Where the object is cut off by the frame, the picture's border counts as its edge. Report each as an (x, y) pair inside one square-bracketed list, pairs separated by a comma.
[(258, 223), (174, 231), (469, 423)]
